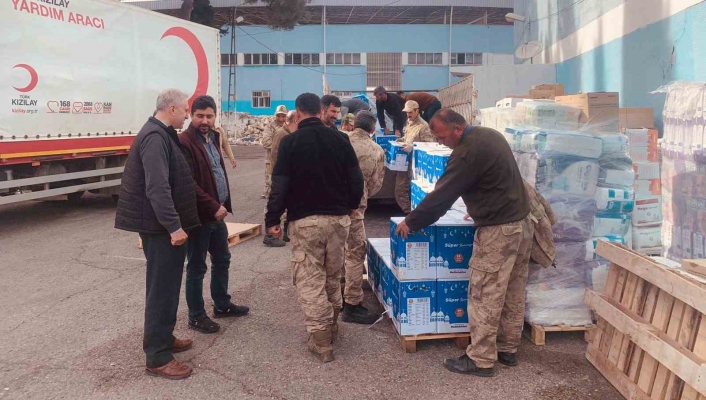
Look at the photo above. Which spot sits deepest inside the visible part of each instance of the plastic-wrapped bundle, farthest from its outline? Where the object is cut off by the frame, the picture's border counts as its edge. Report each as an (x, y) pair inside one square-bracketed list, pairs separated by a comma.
[(546, 114), (574, 217), (615, 200), (608, 223), (591, 245), (497, 118), (550, 142), (559, 174)]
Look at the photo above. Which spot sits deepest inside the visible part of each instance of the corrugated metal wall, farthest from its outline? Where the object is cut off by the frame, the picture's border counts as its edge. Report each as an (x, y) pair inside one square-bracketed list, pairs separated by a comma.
[(384, 69)]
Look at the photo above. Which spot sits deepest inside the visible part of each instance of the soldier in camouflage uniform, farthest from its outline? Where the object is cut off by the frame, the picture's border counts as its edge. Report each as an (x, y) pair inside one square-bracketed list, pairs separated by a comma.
[(483, 172), (318, 181), (416, 130), (371, 159), (267, 135)]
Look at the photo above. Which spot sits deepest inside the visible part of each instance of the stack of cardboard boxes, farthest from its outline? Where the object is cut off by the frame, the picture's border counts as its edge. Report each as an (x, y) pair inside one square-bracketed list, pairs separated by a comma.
[(423, 280)]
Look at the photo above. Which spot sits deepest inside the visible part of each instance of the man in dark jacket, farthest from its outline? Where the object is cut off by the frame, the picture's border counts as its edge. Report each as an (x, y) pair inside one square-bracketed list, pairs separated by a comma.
[(392, 104), (203, 151), (158, 200), (318, 181)]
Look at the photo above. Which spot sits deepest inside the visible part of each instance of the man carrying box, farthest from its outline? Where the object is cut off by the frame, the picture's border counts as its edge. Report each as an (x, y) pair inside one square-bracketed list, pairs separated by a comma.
[(483, 171)]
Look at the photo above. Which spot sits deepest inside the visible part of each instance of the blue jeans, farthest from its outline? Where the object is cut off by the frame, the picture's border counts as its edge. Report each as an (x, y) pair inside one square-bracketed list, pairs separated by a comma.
[(211, 237)]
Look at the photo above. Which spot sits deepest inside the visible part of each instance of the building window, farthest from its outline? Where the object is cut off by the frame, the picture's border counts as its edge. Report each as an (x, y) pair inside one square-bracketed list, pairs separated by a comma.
[(343, 58), (228, 59), (424, 59), (466, 58), (260, 58), (301, 59), (261, 99)]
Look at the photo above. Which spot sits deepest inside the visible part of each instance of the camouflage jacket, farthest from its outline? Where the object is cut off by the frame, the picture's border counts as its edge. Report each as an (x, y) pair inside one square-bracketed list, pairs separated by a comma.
[(280, 133), (417, 131), (543, 250), (371, 159), (267, 137)]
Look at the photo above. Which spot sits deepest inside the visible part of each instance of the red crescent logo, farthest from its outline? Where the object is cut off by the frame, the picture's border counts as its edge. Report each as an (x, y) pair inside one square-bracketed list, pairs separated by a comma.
[(33, 78), (200, 55)]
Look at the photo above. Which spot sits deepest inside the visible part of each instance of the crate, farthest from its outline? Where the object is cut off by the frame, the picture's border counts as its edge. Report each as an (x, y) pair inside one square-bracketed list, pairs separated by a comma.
[(537, 333), (650, 339)]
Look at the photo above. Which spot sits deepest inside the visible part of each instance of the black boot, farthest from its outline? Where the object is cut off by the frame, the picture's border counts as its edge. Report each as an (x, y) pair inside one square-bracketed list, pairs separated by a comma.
[(358, 314), (509, 359), (466, 366), (286, 232), (271, 241)]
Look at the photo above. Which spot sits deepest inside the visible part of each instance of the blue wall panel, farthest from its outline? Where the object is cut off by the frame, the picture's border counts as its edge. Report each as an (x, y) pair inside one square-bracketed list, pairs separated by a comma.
[(424, 78), (640, 62)]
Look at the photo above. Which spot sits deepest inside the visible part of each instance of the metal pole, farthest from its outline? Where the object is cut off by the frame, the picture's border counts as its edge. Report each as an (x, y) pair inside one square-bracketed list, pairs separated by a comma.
[(451, 24), (323, 22), (231, 66)]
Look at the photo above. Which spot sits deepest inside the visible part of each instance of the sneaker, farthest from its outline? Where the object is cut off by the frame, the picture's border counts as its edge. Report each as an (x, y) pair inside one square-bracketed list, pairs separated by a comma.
[(466, 366), (358, 315), (204, 325), (509, 359), (230, 311), (270, 241)]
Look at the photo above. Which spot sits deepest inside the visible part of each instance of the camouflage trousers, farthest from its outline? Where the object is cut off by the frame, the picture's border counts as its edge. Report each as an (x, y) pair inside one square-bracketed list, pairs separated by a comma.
[(268, 179), (402, 187), (496, 294), (356, 251), (318, 256)]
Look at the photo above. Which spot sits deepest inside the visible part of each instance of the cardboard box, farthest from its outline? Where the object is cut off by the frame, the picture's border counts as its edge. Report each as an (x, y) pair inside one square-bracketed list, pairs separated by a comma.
[(649, 238), (596, 108), (454, 246), (395, 158), (538, 94), (648, 211), (557, 88), (412, 305), (637, 137), (652, 138), (411, 256), (517, 96), (508, 102), (647, 187), (452, 306), (638, 154), (633, 118), (384, 141), (646, 170)]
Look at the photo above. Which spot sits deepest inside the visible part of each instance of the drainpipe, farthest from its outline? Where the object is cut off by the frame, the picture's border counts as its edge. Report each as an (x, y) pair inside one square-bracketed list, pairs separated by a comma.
[(451, 24)]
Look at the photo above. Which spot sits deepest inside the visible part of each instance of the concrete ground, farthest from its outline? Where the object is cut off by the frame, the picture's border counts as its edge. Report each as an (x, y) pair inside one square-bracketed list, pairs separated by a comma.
[(71, 308)]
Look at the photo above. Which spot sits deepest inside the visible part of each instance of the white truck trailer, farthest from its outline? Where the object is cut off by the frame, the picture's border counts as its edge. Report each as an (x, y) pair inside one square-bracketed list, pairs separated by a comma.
[(78, 79)]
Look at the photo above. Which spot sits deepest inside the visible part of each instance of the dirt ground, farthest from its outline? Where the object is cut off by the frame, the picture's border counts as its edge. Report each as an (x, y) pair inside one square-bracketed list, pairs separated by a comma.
[(72, 305)]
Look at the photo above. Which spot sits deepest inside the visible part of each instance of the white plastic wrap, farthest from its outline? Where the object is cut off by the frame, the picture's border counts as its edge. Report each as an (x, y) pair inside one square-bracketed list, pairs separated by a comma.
[(546, 114)]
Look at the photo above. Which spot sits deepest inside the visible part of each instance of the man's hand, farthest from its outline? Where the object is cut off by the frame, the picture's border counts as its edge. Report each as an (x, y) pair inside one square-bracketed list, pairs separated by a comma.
[(408, 148), (275, 231), (466, 217), (179, 237), (233, 163), (398, 133), (221, 213), (402, 230), (387, 131)]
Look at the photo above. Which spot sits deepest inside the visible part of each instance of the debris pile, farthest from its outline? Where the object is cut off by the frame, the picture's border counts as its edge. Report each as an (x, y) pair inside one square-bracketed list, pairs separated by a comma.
[(243, 128)]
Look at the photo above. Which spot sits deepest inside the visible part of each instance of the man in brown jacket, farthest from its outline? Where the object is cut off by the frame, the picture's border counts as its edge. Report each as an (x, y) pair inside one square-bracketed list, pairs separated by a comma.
[(202, 147), (483, 171), (416, 130)]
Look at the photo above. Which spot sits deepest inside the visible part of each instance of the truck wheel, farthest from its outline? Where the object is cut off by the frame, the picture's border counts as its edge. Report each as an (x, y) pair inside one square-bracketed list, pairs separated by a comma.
[(115, 198), (74, 197)]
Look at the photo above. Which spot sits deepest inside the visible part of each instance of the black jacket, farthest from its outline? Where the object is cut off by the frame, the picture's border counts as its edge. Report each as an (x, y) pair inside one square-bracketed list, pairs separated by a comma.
[(316, 173), (157, 192), (393, 106)]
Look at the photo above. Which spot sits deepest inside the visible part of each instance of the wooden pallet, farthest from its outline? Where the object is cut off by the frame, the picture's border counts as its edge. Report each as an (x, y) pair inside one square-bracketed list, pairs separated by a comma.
[(650, 339), (239, 233), (536, 333), (409, 343)]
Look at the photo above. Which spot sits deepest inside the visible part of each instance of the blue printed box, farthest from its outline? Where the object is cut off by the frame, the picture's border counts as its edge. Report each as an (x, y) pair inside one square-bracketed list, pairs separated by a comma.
[(396, 159), (451, 314), (440, 161), (411, 257), (384, 141), (412, 305), (454, 246)]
